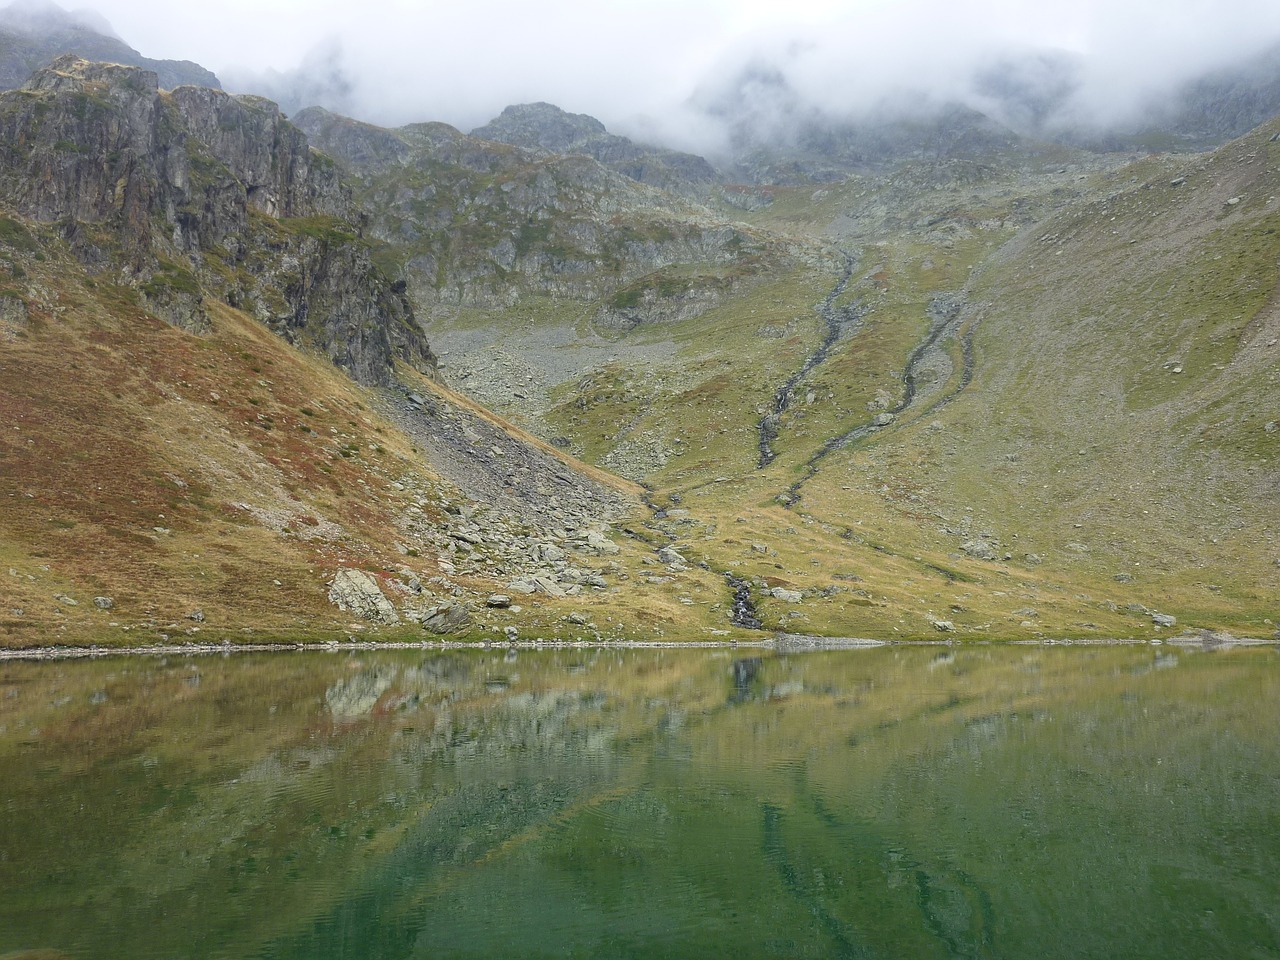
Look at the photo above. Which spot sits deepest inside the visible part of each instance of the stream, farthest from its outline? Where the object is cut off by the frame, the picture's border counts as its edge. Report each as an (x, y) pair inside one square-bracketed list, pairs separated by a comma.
[(837, 321), (944, 315)]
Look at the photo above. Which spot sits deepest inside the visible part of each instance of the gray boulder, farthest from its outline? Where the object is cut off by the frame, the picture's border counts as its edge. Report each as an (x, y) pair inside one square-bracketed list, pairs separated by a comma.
[(447, 618), (601, 545), (979, 549), (670, 556), (548, 586), (358, 592)]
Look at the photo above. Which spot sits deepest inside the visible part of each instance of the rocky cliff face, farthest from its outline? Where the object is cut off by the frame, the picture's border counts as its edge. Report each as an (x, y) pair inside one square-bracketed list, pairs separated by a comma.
[(268, 155), (198, 193), (545, 127), (477, 223), (1228, 102)]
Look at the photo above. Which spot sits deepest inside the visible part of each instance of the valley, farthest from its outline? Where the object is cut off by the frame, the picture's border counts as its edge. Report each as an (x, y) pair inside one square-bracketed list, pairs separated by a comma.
[(622, 481), (271, 380)]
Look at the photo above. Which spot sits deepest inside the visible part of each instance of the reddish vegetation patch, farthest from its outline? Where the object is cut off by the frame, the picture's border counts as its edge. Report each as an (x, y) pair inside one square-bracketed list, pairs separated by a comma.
[(108, 419)]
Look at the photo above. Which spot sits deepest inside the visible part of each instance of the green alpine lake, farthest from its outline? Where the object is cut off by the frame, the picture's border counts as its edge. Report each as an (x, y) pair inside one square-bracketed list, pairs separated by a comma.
[(915, 802)]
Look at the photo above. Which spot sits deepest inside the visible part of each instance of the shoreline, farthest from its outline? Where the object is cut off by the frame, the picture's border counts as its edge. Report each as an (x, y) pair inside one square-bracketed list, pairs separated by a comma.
[(782, 642)]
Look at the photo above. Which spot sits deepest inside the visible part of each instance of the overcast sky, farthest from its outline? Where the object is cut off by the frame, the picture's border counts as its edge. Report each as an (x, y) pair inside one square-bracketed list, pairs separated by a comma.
[(638, 62)]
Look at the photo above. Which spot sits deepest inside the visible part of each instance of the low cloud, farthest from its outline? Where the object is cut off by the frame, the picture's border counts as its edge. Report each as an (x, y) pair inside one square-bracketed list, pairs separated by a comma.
[(673, 71), (322, 79)]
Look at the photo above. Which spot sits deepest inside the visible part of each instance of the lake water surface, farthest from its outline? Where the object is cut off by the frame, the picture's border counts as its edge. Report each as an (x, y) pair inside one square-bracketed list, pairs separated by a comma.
[(898, 802)]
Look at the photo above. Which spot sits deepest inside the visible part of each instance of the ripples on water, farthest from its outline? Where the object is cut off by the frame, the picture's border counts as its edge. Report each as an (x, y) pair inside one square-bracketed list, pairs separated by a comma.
[(898, 802)]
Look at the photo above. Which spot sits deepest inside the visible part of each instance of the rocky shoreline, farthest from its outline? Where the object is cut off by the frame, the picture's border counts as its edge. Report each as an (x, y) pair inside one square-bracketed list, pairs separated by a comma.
[(781, 642)]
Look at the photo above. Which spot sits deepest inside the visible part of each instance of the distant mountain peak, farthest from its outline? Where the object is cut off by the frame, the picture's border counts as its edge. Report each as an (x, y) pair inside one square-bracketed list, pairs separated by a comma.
[(547, 128), (35, 32), (542, 126), (33, 15)]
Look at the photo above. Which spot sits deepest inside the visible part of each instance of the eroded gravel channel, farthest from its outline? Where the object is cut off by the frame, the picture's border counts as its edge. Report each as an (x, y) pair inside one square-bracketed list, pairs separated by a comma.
[(944, 315), (838, 321)]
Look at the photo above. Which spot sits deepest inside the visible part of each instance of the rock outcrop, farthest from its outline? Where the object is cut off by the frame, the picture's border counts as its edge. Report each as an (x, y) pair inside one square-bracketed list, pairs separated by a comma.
[(199, 193), (358, 592), (545, 127), (480, 223)]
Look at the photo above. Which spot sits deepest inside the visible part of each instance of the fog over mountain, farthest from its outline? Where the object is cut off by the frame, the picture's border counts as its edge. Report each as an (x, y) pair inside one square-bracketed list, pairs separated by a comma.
[(685, 73)]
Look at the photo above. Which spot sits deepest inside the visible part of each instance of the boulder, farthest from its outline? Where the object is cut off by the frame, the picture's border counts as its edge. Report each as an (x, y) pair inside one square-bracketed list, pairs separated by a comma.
[(548, 553), (601, 545), (448, 617), (979, 549), (548, 586), (358, 592), (670, 556)]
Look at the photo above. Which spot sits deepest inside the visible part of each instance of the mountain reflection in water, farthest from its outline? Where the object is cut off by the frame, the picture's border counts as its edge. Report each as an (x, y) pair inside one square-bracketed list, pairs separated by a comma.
[(893, 802)]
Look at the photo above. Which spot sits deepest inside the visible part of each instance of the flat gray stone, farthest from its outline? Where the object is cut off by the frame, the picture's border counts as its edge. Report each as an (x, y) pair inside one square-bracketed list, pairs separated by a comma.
[(447, 618), (358, 592)]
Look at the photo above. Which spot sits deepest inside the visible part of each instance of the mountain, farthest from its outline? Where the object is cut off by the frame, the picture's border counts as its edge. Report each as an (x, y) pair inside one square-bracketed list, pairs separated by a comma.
[(546, 128), (1012, 104), (188, 190), (1034, 92), (33, 33), (776, 136), (854, 395), (476, 223), (1227, 102), (1030, 90), (957, 391), (223, 416)]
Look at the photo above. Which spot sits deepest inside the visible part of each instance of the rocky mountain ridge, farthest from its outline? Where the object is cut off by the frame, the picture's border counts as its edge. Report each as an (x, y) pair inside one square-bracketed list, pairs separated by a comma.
[(776, 137), (203, 194), (473, 223), (545, 127)]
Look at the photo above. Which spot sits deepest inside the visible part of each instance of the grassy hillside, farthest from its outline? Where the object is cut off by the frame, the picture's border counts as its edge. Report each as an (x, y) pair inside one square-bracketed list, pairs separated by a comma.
[(997, 400), (212, 485), (1087, 350)]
